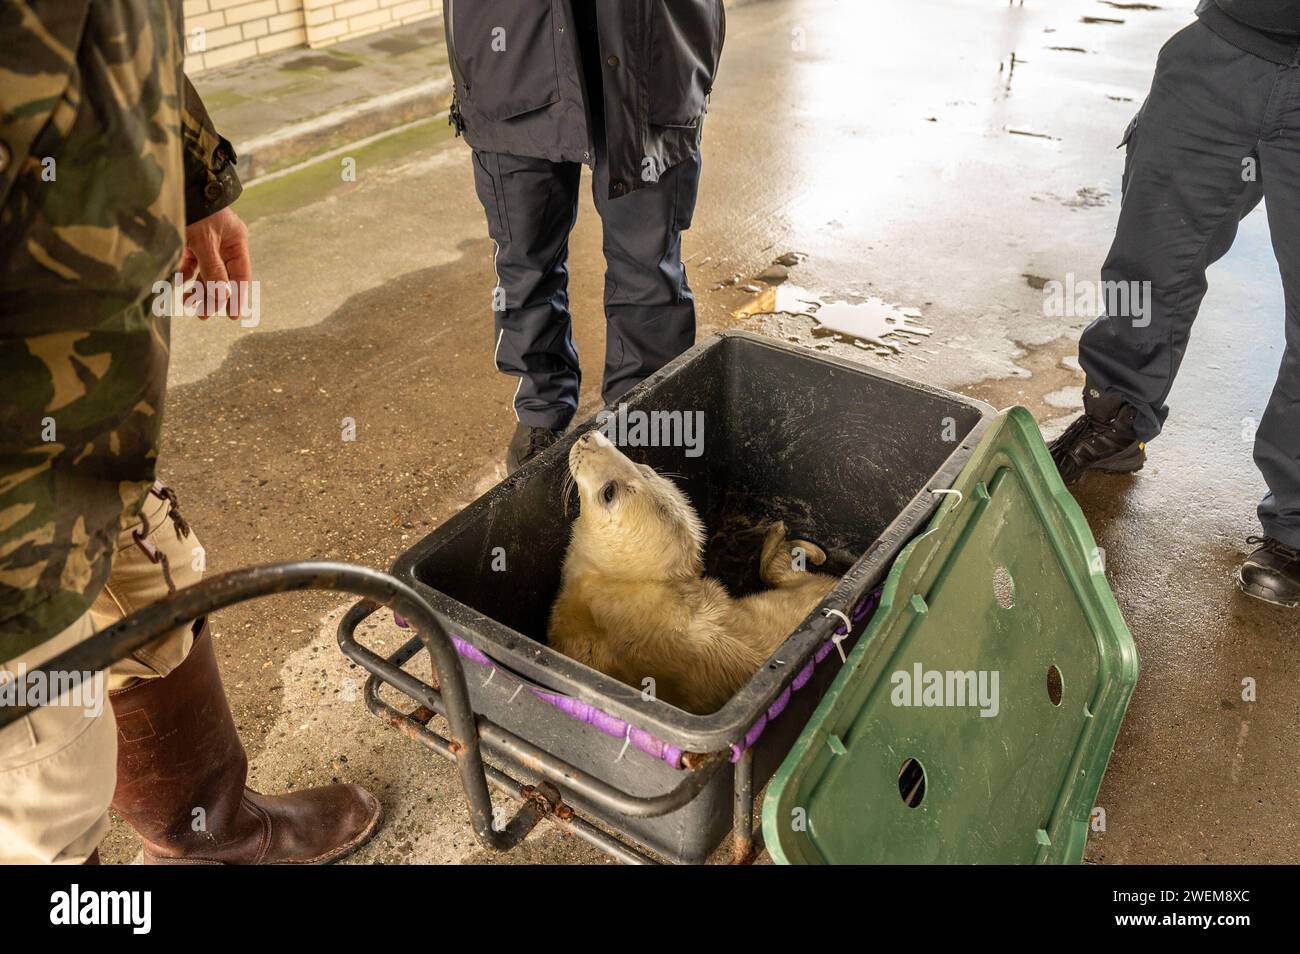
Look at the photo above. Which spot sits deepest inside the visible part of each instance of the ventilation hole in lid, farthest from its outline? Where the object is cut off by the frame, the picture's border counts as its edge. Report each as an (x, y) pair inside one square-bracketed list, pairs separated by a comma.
[(1054, 685), (911, 783)]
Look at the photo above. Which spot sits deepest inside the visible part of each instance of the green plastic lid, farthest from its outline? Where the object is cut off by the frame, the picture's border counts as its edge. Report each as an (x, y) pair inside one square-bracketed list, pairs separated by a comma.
[(974, 718)]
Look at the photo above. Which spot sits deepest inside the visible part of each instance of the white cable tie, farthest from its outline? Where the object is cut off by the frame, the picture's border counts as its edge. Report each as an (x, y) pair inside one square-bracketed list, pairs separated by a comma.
[(627, 740), (838, 638)]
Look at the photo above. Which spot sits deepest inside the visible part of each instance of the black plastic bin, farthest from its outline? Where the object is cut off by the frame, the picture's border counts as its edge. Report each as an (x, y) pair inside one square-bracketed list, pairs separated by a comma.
[(848, 456)]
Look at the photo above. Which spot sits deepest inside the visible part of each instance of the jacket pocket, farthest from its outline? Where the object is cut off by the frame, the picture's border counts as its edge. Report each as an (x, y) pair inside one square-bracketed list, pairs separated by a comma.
[(1129, 130), (490, 188), (502, 55), (685, 46), (1129, 143)]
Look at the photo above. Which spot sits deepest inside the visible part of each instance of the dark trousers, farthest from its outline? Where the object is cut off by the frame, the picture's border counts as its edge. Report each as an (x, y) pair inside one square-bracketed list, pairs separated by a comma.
[(531, 207), (1219, 131)]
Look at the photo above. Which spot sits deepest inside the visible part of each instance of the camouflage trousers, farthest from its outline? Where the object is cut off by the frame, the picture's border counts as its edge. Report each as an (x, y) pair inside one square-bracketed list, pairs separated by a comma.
[(58, 766)]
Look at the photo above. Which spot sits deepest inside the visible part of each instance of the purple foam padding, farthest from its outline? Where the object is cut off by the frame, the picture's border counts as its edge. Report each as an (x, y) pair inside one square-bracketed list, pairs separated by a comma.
[(860, 612), (806, 672), (574, 708), (643, 740), (470, 651), (611, 725), (779, 703)]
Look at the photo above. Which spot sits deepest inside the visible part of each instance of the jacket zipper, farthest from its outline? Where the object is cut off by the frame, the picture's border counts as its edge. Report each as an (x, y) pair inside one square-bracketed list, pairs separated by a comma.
[(454, 117), (569, 27)]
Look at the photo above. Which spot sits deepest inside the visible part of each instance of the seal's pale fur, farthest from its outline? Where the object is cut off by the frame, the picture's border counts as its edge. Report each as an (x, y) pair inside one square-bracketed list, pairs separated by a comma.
[(634, 601)]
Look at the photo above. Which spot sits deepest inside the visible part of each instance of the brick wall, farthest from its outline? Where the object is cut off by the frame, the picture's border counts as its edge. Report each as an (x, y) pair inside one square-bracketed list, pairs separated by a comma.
[(329, 21), (219, 32)]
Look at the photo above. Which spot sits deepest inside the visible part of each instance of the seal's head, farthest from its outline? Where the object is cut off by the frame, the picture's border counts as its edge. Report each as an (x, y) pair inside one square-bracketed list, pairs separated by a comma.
[(633, 523)]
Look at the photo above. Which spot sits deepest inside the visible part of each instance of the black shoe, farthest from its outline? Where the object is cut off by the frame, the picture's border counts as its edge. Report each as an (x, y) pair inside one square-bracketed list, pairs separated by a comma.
[(1271, 573), (527, 443), (1096, 443)]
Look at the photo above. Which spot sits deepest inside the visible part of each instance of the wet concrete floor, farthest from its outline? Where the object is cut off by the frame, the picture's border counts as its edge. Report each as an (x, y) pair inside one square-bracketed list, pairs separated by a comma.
[(949, 173)]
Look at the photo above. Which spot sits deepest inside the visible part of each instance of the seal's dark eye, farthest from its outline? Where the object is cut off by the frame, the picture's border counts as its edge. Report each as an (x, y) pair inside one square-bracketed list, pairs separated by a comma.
[(608, 491)]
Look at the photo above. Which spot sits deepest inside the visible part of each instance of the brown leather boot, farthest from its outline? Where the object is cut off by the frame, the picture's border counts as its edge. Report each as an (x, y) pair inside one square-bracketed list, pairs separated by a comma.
[(180, 781)]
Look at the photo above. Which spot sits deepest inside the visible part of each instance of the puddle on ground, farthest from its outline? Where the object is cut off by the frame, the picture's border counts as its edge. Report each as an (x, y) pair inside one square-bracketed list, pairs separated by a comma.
[(1066, 399), (397, 44), (873, 323), (334, 62)]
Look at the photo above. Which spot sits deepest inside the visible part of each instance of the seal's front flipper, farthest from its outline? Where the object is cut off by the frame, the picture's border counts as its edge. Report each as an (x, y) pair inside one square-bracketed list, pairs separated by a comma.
[(785, 561)]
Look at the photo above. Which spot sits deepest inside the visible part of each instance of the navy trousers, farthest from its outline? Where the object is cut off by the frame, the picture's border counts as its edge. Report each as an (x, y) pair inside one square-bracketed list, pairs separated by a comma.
[(531, 206), (1219, 131)]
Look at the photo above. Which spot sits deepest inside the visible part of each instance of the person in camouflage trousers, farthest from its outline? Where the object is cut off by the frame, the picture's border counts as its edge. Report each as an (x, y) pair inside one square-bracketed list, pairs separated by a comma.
[(112, 175)]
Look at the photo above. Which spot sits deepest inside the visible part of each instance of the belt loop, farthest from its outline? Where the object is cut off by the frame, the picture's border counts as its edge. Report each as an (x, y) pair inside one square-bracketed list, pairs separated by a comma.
[(165, 493), (141, 537)]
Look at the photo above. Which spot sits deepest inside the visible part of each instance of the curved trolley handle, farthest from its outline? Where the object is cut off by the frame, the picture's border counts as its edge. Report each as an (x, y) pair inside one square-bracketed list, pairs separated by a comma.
[(184, 606)]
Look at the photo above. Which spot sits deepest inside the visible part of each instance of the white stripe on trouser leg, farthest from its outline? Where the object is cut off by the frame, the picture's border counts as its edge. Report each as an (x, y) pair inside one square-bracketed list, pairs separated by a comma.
[(496, 352)]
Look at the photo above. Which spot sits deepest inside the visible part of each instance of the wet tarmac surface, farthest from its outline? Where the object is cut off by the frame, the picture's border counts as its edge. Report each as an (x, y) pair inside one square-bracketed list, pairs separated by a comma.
[(948, 173)]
